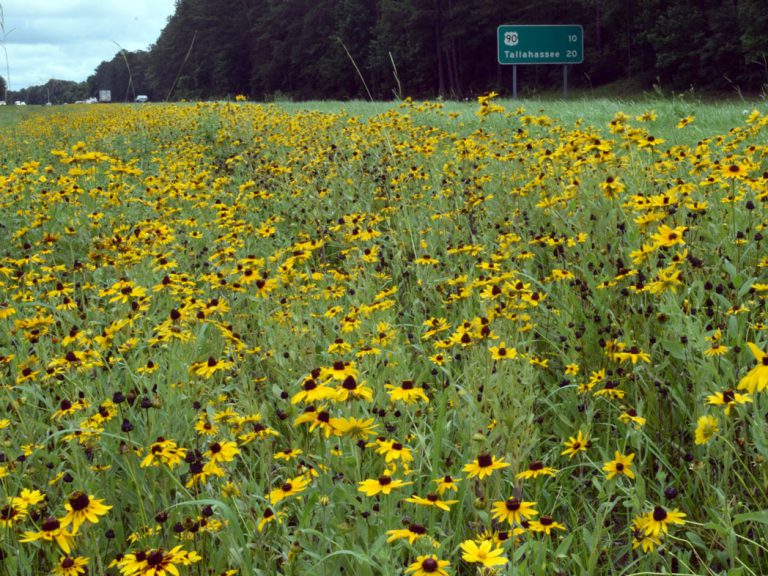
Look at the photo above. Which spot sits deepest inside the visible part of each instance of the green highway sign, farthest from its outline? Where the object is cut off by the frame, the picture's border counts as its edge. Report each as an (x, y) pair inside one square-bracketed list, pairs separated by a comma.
[(541, 44)]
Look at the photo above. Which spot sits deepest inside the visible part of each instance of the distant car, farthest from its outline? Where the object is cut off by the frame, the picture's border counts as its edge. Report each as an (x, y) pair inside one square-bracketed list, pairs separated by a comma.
[(20, 103), (2, 102), (142, 98)]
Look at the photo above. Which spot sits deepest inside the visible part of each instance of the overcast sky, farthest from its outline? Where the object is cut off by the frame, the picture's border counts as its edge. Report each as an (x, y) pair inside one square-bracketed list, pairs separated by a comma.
[(68, 39)]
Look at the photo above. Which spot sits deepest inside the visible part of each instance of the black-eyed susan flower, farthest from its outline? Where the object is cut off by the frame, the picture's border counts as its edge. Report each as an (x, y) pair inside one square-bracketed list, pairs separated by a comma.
[(432, 500), (729, 399), (632, 354), (71, 566), (208, 368), (757, 378), (270, 516), (312, 391), (427, 565), (484, 553), (393, 450), (630, 415), (575, 444), (536, 469), (407, 392), (446, 483), (221, 452), (657, 521), (289, 488), (51, 531), (351, 389), (156, 562), (707, 428), (355, 428), (501, 352), (412, 533), (81, 508), (164, 451), (384, 484), (666, 236), (620, 465), (545, 524), (641, 539), (513, 510), (484, 465)]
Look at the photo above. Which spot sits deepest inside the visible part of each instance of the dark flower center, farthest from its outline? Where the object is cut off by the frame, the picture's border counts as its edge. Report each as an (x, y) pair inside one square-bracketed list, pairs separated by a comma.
[(546, 521), (619, 466), (385, 480), (215, 448), (484, 460), (407, 385), (536, 465), (287, 487), (68, 562), (155, 558), (79, 501), (212, 361), (50, 524), (417, 529), (729, 396), (397, 446), (512, 504), (659, 514), (429, 565), (349, 383)]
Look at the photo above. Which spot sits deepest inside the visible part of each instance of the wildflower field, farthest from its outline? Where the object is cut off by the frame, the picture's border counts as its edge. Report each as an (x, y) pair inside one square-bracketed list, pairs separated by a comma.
[(415, 338)]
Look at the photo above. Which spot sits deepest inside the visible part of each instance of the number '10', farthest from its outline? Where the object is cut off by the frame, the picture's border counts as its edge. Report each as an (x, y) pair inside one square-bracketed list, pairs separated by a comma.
[(573, 38)]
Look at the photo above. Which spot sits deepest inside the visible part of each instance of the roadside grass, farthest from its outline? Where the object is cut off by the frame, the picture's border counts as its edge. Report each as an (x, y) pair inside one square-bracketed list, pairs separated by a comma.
[(236, 325)]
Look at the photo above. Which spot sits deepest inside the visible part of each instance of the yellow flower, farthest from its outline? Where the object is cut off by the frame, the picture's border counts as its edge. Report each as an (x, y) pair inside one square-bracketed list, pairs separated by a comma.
[(501, 352), (666, 236), (640, 539), (728, 398), (706, 429), (51, 530), (408, 392), (514, 510), (222, 452), (290, 488), (71, 566), (428, 565), (656, 522), (535, 470), (484, 466), (412, 533), (619, 465), (432, 500), (545, 524), (483, 554), (382, 485), (270, 516), (576, 444), (80, 508), (757, 378)]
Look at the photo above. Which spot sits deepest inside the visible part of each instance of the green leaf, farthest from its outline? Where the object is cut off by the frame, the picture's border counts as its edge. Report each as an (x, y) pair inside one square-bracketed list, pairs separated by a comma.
[(760, 516)]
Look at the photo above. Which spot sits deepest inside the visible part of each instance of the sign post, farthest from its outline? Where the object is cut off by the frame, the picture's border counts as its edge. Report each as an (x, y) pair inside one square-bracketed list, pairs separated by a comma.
[(528, 44)]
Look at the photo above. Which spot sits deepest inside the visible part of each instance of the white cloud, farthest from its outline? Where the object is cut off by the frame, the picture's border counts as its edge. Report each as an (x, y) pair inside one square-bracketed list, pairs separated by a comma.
[(68, 39)]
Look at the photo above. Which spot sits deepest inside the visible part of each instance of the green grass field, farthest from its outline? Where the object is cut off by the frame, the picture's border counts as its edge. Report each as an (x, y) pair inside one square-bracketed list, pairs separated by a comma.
[(492, 337)]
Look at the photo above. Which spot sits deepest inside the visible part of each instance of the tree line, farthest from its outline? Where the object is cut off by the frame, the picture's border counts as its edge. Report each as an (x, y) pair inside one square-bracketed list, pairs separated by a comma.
[(340, 49)]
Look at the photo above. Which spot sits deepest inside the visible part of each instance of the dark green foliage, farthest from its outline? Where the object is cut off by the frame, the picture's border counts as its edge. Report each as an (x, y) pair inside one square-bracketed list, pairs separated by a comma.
[(423, 48)]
